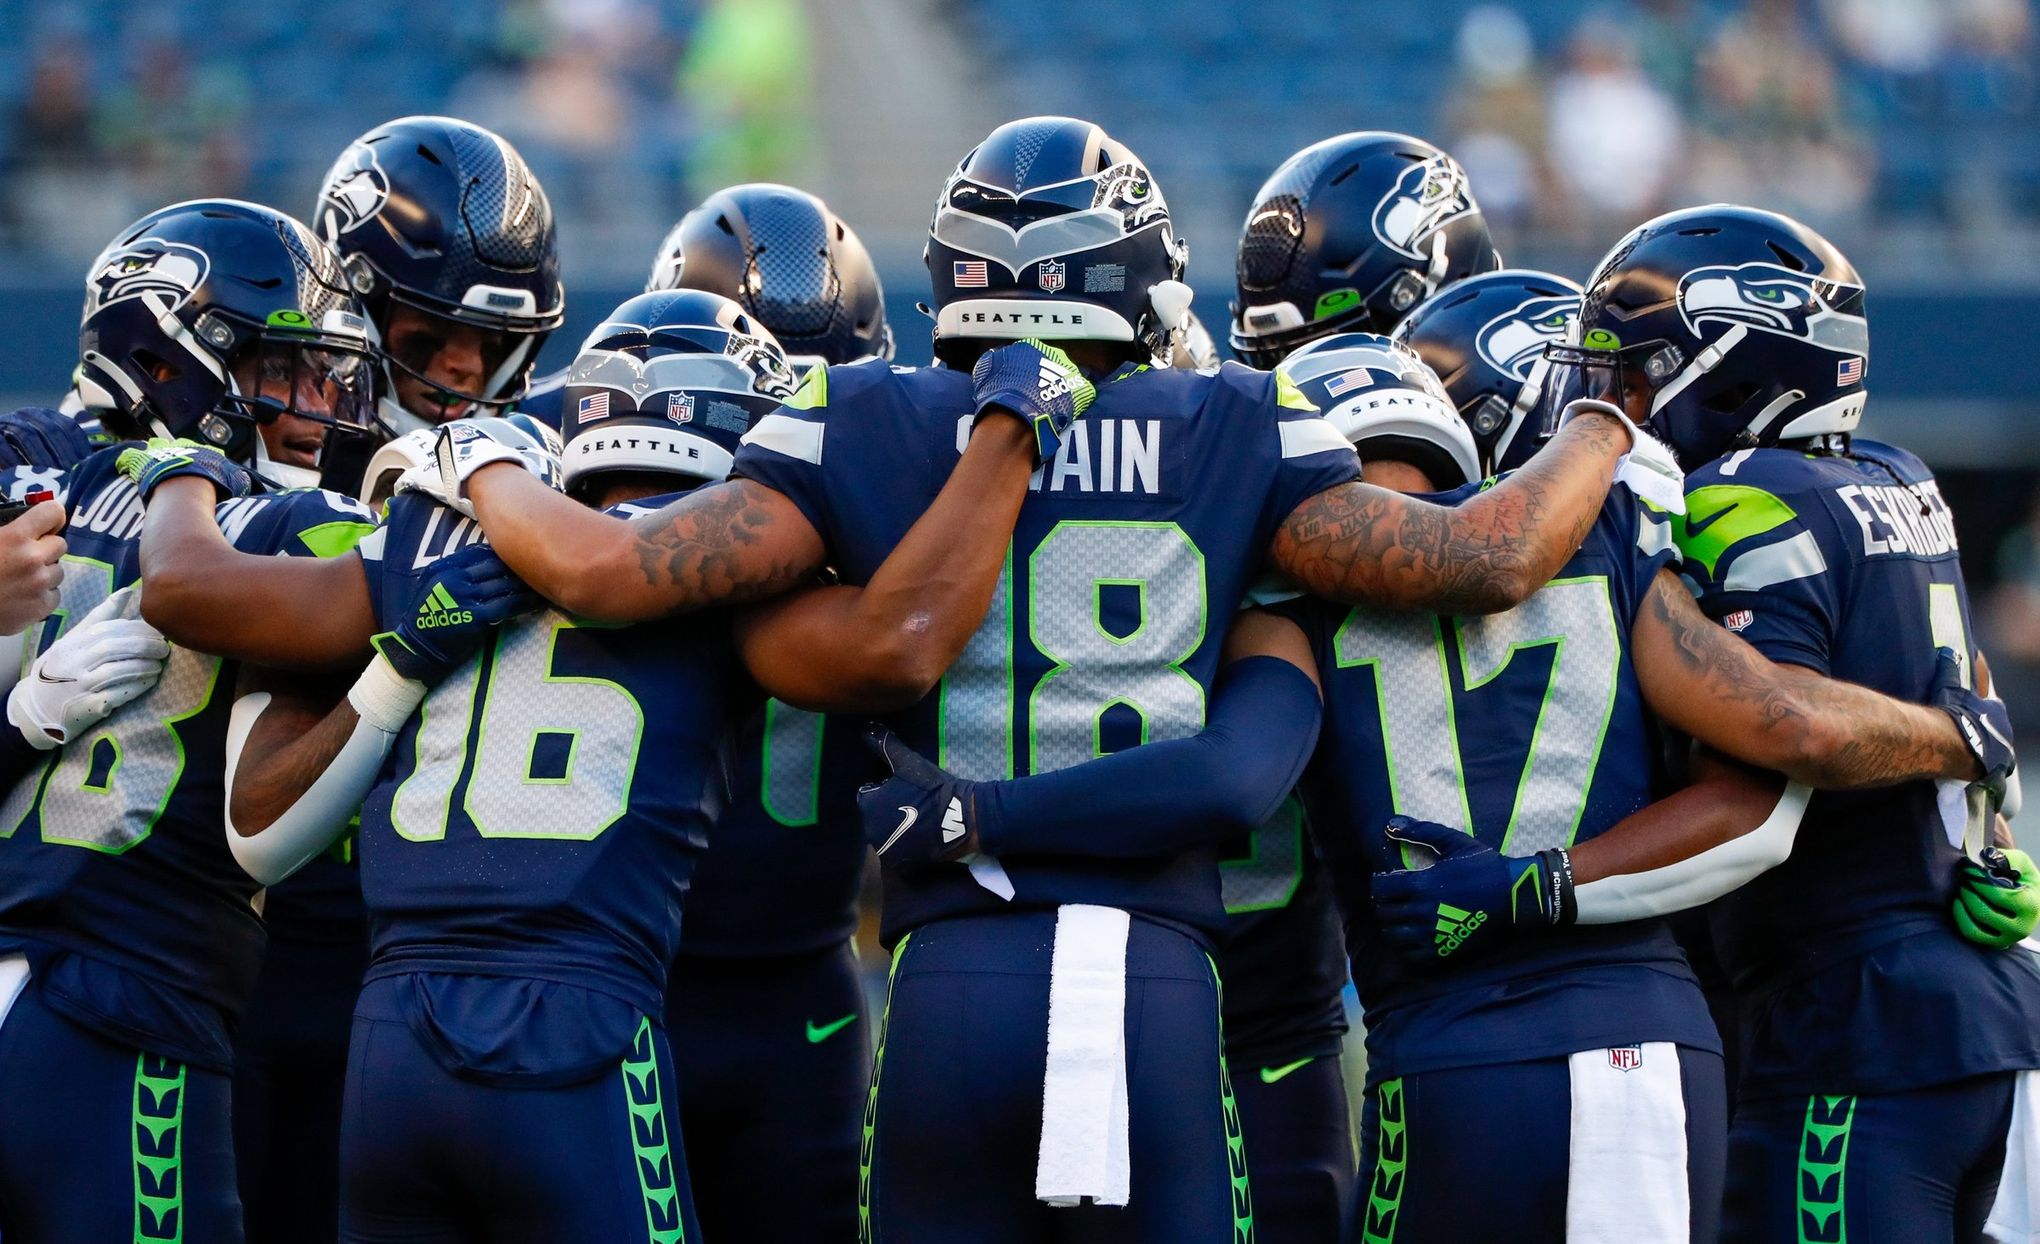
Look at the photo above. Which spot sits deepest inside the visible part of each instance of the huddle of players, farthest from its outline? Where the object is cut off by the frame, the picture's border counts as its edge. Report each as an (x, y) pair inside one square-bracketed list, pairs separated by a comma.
[(536, 783)]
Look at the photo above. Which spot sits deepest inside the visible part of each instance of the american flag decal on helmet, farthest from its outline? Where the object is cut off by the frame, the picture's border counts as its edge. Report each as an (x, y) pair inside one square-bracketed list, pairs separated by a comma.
[(970, 274)]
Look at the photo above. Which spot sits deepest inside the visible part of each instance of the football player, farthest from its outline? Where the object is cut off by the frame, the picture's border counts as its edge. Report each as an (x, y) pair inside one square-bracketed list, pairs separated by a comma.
[(131, 937), (766, 1006), (1128, 574), (307, 763), (1373, 761), (1351, 234), (1881, 1050)]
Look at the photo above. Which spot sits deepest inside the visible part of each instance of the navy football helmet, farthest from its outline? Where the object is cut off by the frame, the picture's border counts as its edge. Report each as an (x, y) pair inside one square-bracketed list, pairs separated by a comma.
[(1051, 228), (445, 217), (1485, 337), (1388, 403), (669, 383), (1720, 328), (198, 314), (1350, 234), (791, 262)]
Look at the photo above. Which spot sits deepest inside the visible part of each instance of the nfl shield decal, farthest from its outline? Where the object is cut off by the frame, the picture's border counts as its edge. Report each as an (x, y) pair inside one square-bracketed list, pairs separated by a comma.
[(1051, 274), (680, 407), (1625, 1057)]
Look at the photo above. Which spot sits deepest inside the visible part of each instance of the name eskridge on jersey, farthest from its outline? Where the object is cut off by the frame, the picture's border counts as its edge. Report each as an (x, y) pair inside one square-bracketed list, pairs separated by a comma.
[(1892, 522), (1108, 456)]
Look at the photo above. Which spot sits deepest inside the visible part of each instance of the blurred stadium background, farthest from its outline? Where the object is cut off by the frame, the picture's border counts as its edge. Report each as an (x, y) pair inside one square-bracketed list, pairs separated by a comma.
[(1904, 129)]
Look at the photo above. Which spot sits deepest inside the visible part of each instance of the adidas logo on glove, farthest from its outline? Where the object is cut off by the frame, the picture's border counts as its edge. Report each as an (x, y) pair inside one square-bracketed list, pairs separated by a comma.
[(440, 609), (1455, 925)]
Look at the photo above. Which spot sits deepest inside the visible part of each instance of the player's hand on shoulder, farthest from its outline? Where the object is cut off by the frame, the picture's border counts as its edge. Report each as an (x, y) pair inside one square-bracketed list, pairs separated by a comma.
[(1985, 726), (433, 620), (1997, 902), (1468, 898), (922, 813), (466, 446), (107, 659), (31, 566), (151, 463), (1036, 383)]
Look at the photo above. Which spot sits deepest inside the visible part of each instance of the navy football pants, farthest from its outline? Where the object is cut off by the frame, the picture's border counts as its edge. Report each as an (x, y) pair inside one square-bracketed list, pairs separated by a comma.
[(429, 1158), (773, 1061), (1299, 1133), (955, 1112), (1484, 1153), (101, 1142), (1915, 1166), (290, 1059)]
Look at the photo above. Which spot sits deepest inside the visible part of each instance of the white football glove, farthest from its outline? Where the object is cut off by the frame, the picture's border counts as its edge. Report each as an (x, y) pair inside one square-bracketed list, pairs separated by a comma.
[(108, 658), (1648, 468), (466, 446)]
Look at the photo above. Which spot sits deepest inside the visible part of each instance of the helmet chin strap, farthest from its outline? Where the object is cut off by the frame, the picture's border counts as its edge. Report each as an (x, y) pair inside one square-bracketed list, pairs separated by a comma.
[(282, 474)]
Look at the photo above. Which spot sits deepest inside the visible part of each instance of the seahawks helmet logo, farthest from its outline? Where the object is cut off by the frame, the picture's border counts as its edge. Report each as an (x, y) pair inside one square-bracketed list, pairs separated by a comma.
[(1514, 340), (1426, 198), (356, 189), (145, 266), (1775, 299)]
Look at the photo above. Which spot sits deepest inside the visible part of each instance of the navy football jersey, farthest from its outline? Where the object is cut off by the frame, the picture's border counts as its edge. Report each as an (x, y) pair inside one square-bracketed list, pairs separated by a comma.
[(1283, 960), (1131, 553), (1850, 973), (538, 821), (114, 864), (1526, 729), (787, 857)]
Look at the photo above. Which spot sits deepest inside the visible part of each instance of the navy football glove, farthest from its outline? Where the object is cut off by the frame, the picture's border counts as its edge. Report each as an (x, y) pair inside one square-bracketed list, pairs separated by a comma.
[(1985, 726), (922, 814), (434, 620), (149, 464), (1472, 899), (35, 436), (1036, 383)]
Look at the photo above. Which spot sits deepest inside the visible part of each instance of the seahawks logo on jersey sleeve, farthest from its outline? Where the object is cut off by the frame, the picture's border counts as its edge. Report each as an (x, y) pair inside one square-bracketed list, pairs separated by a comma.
[(1774, 299), (146, 266), (1514, 340), (356, 190), (1426, 198)]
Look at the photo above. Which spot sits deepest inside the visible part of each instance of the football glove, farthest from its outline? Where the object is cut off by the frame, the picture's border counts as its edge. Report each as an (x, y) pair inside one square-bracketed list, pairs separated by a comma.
[(922, 814), (159, 459), (1997, 903), (1036, 383), (1985, 725), (1649, 468), (466, 446), (434, 620), (37, 437), (1472, 898), (107, 659)]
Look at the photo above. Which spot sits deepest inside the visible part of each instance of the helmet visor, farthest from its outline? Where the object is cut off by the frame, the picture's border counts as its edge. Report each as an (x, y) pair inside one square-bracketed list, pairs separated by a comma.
[(1626, 377), (316, 381)]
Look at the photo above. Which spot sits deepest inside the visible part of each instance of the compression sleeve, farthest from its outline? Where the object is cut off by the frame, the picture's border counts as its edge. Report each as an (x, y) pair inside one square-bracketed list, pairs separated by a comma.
[(383, 699), (1699, 878), (1160, 798)]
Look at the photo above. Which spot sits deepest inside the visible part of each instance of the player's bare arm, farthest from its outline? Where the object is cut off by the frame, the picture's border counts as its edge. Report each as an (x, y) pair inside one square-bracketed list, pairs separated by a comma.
[(721, 544), (202, 592), (299, 727), (1707, 683), (884, 645), (1367, 545)]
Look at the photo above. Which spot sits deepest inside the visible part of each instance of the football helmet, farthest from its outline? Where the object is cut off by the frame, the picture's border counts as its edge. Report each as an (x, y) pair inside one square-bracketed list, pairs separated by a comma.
[(1051, 228), (669, 382), (1384, 400), (445, 217), (1720, 328), (1485, 337), (789, 261), (191, 294), (1350, 234)]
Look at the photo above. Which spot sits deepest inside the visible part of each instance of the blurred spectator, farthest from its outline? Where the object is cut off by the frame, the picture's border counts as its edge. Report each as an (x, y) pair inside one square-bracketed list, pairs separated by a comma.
[(1496, 120), (746, 78), (1614, 138)]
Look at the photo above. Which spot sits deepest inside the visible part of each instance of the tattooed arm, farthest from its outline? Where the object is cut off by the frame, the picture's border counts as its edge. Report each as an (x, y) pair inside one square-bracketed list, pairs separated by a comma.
[(1707, 683), (720, 544), (1366, 545)]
